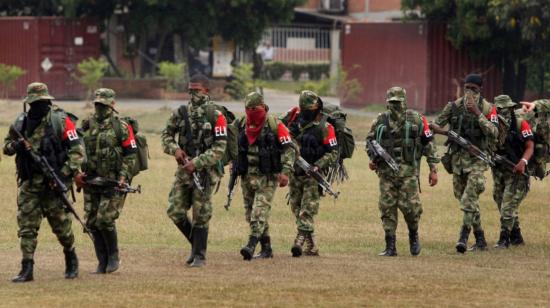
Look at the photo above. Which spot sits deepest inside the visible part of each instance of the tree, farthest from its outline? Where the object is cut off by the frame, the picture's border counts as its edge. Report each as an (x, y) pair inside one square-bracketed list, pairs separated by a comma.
[(513, 33)]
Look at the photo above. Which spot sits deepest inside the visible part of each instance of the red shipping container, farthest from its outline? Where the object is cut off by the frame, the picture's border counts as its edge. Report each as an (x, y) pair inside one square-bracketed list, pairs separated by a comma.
[(48, 49), (415, 56)]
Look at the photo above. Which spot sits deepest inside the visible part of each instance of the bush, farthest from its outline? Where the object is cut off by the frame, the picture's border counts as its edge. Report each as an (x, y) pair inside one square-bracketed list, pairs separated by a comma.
[(173, 73), (241, 82), (8, 75), (347, 88), (90, 73), (321, 87)]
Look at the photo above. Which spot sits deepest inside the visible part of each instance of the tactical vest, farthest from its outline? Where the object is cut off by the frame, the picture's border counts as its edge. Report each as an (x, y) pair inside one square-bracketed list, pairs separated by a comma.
[(103, 148), (310, 138), (195, 134), (513, 145), (404, 143), (467, 125), (269, 149)]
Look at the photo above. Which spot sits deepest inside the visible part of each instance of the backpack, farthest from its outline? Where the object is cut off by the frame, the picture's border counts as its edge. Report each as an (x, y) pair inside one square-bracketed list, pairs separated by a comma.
[(231, 150), (142, 161), (540, 127)]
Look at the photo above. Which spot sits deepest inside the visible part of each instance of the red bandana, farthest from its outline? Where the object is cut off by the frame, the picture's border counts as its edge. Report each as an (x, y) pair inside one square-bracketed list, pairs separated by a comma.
[(254, 123)]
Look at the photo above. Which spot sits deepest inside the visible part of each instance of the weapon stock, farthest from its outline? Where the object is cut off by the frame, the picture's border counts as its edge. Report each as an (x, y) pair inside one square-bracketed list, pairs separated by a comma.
[(321, 181)]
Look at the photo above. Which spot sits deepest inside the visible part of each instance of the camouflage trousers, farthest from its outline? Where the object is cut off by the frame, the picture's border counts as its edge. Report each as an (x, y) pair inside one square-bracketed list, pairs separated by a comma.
[(34, 203), (399, 193), (258, 192), (467, 187), (102, 209), (184, 197), (508, 192), (304, 201)]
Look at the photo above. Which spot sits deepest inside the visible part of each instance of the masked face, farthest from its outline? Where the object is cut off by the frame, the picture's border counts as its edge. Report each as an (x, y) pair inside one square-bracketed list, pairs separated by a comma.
[(255, 116), (397, 109), (309, 115), (198, 96), (471, 90), (102, 112), (39, 109), (505, 113)]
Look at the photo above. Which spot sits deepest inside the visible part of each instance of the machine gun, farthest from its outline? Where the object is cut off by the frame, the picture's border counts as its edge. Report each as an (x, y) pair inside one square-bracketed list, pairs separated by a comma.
[(376, 152), (233, 177), (101, 182), (323, 183), (463, 143), (506, 163)]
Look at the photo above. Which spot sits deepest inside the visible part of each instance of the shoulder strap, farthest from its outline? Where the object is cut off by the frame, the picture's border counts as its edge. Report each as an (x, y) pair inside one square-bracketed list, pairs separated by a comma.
[(185, 116), (272, 122), (117, 127), (57, 117)]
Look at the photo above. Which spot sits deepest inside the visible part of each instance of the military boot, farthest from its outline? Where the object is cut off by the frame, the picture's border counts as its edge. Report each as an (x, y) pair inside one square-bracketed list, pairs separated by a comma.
[(515, 236), (481, 243), (504, 239), (71, 264), (462, 243), (100, 251), (311, 247), (111, 239), (414, 242), (248, 251), (297, 248), (200, 241), (26, 271), (187, 229), (266, 252), (390, 250)]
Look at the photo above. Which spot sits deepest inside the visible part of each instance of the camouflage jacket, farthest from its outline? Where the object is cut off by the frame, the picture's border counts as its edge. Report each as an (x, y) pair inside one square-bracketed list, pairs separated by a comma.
[(462, 160), (109, 155), (208, 135), (67, 135), (543, 105), (421, 138)]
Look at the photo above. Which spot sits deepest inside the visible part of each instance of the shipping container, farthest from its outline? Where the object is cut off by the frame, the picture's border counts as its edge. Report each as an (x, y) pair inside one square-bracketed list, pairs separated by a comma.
[(48, 49), (414, 55)]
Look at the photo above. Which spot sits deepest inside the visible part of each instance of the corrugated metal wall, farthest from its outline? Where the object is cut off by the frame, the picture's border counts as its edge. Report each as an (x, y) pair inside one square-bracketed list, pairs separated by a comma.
[(416, 56), (28, 41)]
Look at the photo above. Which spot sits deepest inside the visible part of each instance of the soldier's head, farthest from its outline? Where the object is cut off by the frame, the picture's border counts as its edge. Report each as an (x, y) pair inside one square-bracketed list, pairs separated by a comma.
[(104, 102), (38, 99), (310, 105), (473, 84), (255, 108), (198, 87), (505, 105), (396, 97)]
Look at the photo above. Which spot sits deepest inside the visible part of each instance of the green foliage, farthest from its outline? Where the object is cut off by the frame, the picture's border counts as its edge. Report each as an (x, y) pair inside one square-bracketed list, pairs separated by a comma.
[(90, 73), (348, 89), (275, 70), (173, 73), (242, 82), (8, 75), (321, 87)]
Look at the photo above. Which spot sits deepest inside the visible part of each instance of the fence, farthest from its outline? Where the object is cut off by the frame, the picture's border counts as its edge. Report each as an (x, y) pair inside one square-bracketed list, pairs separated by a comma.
[(299, 43)]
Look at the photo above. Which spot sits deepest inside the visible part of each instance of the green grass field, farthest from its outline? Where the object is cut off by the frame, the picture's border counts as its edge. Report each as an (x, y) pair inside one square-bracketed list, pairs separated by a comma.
[(348, 272)]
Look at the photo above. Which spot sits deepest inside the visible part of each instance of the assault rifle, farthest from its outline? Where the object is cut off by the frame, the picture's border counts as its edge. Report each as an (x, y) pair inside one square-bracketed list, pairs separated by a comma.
[(196, 177), (56, 184), (506, 163), (376, 151), (325, 185), (463, 143), (233, 177), (101, 182)]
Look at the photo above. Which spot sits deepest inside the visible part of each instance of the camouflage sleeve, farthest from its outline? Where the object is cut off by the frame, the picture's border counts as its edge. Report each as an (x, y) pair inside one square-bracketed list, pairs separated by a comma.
[(168, 136), (215, 153), (543, 105), (288, 156), (488, 123), (76, 153), (331, 145), (9, 144), (129, 151), (445, 116), (430, 152)]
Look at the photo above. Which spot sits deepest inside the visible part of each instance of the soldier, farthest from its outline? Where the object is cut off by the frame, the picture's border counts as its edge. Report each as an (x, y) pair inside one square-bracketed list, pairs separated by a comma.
[(111, 153), (406, 136), (316, 140), (475, 119), (510, 187), (50, 132), (265, 159), (200, 145)]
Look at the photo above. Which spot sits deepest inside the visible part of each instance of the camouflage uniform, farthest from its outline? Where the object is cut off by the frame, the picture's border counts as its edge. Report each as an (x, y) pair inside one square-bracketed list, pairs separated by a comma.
[(316, 139), (401, 190), (205, 142), (111, 153), (52, 136), (468, 170), (259, 186)]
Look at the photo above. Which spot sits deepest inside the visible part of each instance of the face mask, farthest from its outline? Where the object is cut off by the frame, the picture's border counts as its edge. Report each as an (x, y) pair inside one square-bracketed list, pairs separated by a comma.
[(255, 117), (103, 112), (505, 113), (197, 96), (309, 115), (39, 109), (397, 109), (472, 92)]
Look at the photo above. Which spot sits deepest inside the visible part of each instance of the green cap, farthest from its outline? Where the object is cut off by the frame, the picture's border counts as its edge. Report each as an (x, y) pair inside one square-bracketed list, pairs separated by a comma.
[(504, 101), (105, 96), (308, 99), (37, 91), (396, 94), (253, 99)]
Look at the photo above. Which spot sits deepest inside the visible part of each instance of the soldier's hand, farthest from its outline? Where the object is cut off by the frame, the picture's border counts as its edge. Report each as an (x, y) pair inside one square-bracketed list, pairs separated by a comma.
[(372, 166), (283, 180), (471, 106), (189, 167), (79, 180), (122, 182), (180, 156), (22, 145), (520, 167), (433, 178), (528, 107)]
